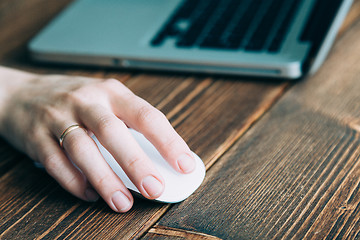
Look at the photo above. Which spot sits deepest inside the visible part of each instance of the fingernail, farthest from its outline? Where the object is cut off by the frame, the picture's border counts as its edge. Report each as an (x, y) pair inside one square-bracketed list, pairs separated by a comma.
[(120, 201), (186, 163), (152, 186), (91, 195)]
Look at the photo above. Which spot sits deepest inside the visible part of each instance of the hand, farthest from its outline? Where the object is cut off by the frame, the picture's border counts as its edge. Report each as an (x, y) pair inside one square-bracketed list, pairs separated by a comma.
[(36, 109)]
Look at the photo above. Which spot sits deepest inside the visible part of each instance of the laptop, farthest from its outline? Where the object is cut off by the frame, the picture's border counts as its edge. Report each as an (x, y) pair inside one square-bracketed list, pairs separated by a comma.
[(266, 38)]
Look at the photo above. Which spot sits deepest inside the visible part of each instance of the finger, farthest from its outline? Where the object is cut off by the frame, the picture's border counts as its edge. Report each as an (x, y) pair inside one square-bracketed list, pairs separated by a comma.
[(141, 116), (63, 171), (116, 138), (84, 153)]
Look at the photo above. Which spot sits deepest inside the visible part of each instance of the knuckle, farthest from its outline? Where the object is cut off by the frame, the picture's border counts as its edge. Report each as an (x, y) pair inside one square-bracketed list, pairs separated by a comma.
[(31, 149), (148, 115), (71, 183), (50, 113), (133, 162), (169, 142), (35, 134), (75, 97), (51, 163), (102, 181), (103, 124), (115, 85), (112, 82), (76, 144)]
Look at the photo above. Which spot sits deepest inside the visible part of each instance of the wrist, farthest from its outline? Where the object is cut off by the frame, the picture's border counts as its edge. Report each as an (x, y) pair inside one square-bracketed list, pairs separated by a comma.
[(10, 81)]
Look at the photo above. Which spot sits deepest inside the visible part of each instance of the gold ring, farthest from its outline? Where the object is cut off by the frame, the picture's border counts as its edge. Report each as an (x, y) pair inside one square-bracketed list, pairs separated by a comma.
[(66, 132)]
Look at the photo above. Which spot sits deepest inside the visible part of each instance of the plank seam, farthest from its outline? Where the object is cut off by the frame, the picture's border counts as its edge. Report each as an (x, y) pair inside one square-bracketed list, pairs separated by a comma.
[(247, 126), (175, 232), (151, 222)]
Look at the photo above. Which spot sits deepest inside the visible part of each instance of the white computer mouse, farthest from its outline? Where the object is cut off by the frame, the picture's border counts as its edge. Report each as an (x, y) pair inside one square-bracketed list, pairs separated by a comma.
[(177, 186)]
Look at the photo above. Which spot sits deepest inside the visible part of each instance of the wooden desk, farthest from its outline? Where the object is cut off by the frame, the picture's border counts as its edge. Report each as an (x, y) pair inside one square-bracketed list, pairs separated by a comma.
[(283, 159)]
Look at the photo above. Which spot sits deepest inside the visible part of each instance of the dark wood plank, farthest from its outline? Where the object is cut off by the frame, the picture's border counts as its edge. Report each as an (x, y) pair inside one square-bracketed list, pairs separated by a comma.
[(32, 205), (9, 157), (52, 213), (61, 215), (20, 20), (295, 174), (177, 234)]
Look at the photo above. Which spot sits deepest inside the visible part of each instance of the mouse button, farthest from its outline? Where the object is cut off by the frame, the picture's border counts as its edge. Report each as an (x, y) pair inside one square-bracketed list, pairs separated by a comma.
[(152, 152), (179, 187)]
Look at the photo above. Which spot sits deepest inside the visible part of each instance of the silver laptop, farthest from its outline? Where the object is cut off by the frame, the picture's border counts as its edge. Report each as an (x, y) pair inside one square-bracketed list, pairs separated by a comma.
[(271, 38)]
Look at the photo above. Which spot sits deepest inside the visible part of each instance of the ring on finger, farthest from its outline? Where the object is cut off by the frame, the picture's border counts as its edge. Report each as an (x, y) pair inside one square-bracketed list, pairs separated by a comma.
[(67, 131)]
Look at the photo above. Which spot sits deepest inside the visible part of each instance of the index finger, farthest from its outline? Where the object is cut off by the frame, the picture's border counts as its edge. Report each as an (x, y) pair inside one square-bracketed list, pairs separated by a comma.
[(141, 116)]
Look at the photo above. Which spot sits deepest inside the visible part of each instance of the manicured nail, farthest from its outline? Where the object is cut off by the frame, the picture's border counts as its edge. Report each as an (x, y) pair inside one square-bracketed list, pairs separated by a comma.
[(186, 163), (91, 195), (120, 201), (152, 186)]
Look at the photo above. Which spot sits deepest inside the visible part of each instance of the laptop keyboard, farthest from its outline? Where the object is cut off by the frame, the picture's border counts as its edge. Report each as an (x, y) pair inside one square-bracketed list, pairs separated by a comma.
[(248, 25)]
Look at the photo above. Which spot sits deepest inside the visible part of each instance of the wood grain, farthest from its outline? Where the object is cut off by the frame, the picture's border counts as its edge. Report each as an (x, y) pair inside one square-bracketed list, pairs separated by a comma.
[(20, 20), (78, 219), (295, 174), (352, 17), (172, 233), (211, 113), (35, 207), (9, 157)]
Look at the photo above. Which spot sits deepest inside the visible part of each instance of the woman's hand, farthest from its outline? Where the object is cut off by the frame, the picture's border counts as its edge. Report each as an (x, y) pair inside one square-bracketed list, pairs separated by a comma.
[(36, 109)]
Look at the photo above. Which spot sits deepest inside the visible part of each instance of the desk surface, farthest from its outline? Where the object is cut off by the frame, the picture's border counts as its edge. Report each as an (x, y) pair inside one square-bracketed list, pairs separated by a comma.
[(282, 159)]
